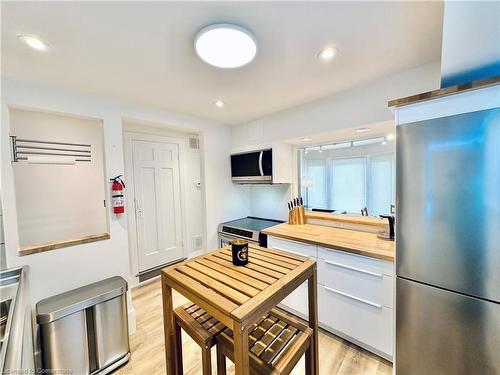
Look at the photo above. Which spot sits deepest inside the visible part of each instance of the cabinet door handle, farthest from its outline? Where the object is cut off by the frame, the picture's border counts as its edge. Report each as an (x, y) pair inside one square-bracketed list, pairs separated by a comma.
[(353, 268), (373, 304), (291, 252)]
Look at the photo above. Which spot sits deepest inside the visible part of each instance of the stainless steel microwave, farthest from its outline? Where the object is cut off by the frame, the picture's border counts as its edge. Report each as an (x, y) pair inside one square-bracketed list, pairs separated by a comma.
[(254, 167)]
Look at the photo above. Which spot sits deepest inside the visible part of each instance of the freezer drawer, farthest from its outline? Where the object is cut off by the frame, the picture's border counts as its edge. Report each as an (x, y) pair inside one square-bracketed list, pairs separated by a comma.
[(441, 333)]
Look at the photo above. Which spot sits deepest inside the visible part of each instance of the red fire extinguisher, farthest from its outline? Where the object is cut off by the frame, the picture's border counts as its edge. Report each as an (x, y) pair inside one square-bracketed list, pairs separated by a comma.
[(117, 195)]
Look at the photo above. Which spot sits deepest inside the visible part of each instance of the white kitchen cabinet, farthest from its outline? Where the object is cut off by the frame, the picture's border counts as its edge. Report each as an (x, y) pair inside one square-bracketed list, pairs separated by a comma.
[(294, 247), (366, 278), (367, 264), (355, 295), (295, 302), (350, 317), (282, 163)]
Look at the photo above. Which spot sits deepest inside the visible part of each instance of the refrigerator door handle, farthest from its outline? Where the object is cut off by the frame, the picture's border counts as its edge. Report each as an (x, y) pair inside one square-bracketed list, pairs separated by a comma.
[(373, 304), (353, 268)]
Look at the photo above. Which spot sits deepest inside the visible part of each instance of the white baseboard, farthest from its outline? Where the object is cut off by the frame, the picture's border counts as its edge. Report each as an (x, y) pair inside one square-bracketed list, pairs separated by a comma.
[(196, 253), (132, 320)]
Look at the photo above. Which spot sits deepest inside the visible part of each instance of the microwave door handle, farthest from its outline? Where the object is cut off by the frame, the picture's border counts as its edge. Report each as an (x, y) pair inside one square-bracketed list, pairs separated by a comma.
[(260, 163)]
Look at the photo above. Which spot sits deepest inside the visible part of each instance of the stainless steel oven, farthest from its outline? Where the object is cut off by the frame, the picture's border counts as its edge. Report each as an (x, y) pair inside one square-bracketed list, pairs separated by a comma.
[(248, 228), (225, 240)]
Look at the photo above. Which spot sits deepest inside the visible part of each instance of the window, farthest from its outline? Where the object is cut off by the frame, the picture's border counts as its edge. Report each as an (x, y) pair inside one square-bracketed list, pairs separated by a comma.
[(381, 192), (318, 189), (348, 180), (348, 184)]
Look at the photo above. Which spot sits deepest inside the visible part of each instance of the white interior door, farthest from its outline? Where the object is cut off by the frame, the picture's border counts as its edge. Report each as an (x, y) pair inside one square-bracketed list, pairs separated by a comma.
[(157, 203)]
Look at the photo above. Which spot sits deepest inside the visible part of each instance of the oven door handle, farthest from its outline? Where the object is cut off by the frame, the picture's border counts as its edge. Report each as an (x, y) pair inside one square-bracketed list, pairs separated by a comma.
[(232, 238)]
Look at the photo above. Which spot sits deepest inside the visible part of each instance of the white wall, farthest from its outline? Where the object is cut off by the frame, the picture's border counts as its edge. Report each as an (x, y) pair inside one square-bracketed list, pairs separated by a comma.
[(471, 41), (359, 106), (59, 270), (270, 201), (68, 200)]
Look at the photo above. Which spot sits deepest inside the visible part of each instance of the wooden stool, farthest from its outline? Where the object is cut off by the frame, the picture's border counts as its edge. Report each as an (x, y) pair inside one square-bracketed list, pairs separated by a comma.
[(202, 328), (276, 344)]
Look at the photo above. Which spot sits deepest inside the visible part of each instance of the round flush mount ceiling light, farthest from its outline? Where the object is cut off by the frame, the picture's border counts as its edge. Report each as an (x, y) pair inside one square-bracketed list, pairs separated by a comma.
[(33, 42), (225, 45), (327, 54), (219, 103)]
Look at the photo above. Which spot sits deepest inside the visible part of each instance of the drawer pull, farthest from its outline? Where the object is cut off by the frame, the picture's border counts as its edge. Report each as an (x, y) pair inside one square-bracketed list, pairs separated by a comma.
[(353, 297), (353, 268), (291, 252)]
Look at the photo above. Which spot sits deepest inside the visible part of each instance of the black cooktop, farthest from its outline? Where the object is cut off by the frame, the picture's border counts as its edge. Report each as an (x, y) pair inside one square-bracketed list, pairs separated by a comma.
[(252, 223)]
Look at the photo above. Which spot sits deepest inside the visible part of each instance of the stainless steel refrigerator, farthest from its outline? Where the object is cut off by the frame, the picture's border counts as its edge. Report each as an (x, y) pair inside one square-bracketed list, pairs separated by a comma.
[(448, 245)]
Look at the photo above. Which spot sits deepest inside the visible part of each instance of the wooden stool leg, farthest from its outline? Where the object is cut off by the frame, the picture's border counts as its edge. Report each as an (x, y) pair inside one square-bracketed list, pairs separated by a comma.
[(178, 344), (206, 360), (221, 362)]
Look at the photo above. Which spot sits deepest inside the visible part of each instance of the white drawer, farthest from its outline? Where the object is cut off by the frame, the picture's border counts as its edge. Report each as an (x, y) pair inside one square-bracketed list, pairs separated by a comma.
[(369, 325), (364, 263), (370, 286), (297, 301), (294, 247)]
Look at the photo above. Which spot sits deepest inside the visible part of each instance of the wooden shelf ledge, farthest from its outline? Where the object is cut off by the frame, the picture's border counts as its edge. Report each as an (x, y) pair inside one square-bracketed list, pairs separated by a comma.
[(28, 250)]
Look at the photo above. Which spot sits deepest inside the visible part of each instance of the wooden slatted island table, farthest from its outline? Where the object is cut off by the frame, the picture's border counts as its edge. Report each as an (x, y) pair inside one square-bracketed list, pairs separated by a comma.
[(238, 296)]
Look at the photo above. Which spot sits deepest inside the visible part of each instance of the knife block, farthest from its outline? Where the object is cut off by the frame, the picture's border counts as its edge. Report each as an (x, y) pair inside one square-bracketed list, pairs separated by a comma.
[(297, 216)]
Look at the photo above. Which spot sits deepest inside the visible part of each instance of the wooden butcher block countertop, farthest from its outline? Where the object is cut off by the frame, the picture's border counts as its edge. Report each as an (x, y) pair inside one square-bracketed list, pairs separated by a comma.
[(356, 242)]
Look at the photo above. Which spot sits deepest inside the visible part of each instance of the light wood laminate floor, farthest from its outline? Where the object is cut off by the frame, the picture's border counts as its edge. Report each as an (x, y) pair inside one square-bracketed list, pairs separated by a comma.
[(336, 356)]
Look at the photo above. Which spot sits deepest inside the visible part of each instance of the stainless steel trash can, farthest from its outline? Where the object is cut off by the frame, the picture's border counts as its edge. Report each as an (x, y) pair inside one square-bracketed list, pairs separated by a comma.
[(85, 330)]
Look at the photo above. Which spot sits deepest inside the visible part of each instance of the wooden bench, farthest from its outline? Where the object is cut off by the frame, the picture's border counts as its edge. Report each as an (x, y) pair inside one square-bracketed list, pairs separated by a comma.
[(276, 343)]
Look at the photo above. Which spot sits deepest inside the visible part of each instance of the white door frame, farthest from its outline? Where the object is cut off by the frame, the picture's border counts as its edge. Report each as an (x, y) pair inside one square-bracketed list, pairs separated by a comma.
[(129, 137)]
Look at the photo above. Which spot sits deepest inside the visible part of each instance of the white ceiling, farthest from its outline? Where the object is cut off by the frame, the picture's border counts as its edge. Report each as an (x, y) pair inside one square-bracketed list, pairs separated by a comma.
[(380, 129), (143, 51)]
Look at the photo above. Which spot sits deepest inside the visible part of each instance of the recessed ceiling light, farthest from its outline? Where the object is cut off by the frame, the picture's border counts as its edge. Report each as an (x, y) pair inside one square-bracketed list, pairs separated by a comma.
[(225, 45), (306, 139), (33, 42), (389, 137), (362, 130), (328, 53), (219, 103)]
